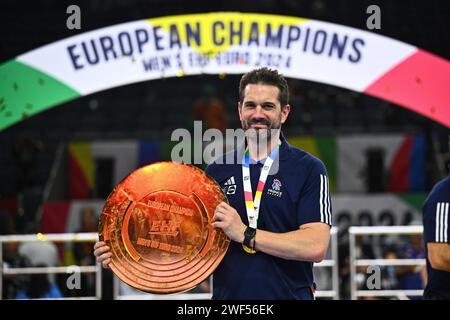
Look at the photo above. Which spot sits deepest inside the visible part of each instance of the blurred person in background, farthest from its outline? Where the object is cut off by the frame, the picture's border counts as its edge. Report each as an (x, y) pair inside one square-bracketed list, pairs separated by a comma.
[(36, 254), (39, 252), (39, 286), (389, 278), (411, 277)]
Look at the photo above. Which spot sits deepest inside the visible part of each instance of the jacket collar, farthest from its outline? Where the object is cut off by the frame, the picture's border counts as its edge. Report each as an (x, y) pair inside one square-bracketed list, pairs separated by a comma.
[(285, 148)]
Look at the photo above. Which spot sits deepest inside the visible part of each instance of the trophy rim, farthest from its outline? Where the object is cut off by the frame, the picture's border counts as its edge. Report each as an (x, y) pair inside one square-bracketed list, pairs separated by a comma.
[(124, 266)]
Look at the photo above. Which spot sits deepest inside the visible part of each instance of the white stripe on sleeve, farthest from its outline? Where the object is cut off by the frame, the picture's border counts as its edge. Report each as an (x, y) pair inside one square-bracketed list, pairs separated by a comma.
[(325, 203), (446, 223), (325, 197), (441, 223), (437, 220), (321, 197), (329, 206)]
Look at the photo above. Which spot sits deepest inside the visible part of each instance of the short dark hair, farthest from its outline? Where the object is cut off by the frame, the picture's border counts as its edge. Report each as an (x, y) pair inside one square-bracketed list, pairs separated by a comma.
[(269, 77)]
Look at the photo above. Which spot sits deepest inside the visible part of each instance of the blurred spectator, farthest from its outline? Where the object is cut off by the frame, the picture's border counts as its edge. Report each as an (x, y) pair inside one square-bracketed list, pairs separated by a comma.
[(39, 253), (411, 277), (362, 275), (39, 286), (389, 280)]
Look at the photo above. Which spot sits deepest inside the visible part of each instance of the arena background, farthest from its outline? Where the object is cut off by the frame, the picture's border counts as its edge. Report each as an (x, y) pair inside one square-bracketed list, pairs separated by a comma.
[(61, 164)]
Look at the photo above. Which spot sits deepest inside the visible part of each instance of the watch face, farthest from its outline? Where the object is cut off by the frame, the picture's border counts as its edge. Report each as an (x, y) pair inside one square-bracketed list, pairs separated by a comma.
[(249, 234), (250, 231)]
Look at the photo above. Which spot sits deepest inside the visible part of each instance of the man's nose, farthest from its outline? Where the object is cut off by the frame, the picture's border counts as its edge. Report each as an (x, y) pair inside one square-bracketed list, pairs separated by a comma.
[(259, 111)]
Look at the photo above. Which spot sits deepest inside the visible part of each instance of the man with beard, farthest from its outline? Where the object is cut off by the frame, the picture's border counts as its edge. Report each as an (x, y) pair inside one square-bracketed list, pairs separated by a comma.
[(279, 215)]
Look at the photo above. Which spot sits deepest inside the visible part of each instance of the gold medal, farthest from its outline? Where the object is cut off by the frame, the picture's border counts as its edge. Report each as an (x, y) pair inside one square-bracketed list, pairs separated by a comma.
[(248, 250)]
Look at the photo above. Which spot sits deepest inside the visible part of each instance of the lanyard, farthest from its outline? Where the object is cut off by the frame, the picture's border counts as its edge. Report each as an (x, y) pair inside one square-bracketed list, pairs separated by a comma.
[(252, 206)]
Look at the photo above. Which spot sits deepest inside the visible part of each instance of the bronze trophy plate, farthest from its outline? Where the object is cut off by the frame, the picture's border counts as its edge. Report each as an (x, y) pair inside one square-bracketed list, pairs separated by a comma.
[(157, 222)]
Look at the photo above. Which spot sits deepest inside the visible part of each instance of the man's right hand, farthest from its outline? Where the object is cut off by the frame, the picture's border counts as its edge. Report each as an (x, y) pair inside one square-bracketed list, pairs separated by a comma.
[(102, 253)]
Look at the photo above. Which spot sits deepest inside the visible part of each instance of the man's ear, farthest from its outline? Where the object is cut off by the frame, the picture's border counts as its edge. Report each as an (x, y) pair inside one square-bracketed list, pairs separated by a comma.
[(285, 113)]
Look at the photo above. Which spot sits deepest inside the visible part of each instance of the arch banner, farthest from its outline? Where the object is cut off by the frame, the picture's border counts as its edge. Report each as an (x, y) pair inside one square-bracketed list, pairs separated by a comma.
[(224, 43)]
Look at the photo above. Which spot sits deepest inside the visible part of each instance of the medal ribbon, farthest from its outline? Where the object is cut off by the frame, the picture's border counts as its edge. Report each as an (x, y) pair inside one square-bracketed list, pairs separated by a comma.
[(252, 206)]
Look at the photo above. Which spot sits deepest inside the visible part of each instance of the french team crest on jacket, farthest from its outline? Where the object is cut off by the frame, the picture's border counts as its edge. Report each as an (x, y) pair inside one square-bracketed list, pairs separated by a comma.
[(276, 187)]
